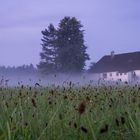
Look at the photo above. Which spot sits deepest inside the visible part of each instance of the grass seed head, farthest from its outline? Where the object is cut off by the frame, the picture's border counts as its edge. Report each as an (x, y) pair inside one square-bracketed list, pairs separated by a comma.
[(33, 102), (122, 120), (82, 108), (104, 129), (84, 129)]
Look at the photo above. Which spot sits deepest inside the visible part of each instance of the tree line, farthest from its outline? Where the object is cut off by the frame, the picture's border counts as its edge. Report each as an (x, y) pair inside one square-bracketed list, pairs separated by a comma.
[(63, 48), (24, 69)]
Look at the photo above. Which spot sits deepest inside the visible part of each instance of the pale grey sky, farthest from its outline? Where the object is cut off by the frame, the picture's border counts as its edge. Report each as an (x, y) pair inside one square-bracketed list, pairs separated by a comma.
[(108, 24)]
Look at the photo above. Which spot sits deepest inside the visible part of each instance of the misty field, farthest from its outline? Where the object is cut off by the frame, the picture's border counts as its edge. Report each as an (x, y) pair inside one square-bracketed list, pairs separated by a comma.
[(70, 113)]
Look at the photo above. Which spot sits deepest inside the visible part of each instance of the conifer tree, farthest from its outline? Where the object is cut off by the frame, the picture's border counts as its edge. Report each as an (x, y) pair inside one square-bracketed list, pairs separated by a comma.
[(71, 48), (48, 54)]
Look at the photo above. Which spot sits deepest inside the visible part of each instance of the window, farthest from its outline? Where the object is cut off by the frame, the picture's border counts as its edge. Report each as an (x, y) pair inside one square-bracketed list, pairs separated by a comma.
[(117, 74), (110, 74), (120, 73), (104, 75)]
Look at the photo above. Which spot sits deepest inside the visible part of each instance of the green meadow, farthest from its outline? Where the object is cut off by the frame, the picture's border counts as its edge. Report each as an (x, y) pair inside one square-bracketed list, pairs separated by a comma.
[(70, 113)]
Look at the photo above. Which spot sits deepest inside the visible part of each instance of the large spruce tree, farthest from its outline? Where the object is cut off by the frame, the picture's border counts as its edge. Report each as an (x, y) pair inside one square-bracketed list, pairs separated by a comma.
[(71, 48), (48, 54), (63, 50)]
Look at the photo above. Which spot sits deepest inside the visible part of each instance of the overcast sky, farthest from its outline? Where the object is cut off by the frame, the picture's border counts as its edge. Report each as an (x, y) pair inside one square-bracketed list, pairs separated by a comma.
[(108, 24)]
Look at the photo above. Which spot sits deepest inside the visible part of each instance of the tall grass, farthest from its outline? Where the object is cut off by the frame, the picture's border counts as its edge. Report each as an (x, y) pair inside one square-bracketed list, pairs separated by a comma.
[(70, 113)]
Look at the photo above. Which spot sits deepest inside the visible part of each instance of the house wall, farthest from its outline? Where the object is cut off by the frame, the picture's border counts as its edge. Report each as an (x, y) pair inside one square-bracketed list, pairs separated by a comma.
[(137, 73), (124, 77), (112, 76), (130, 76)]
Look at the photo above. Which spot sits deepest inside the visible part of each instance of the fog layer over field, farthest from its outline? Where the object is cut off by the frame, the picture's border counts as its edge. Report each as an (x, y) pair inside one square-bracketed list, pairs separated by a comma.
[(48, 80)]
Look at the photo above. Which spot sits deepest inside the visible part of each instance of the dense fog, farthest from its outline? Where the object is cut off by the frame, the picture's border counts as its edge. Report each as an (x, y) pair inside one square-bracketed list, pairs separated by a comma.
[(47, 80)]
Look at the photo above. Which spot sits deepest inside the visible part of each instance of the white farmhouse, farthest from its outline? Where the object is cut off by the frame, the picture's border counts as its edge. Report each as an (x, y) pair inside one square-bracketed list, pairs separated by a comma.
[(119, 67)]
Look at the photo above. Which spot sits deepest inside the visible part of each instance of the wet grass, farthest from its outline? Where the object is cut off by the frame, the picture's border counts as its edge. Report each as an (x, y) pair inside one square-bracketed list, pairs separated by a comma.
[(60, 113)]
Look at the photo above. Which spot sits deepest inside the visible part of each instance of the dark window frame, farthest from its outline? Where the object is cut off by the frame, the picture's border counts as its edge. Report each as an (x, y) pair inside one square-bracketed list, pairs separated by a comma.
[(105, 75)]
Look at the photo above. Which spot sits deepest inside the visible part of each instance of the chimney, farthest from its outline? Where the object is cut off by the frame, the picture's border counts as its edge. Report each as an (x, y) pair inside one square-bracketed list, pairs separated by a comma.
[(112, 54)]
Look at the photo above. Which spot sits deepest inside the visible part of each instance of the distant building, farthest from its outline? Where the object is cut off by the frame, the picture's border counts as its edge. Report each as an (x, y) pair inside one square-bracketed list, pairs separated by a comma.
[(119, 67)]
